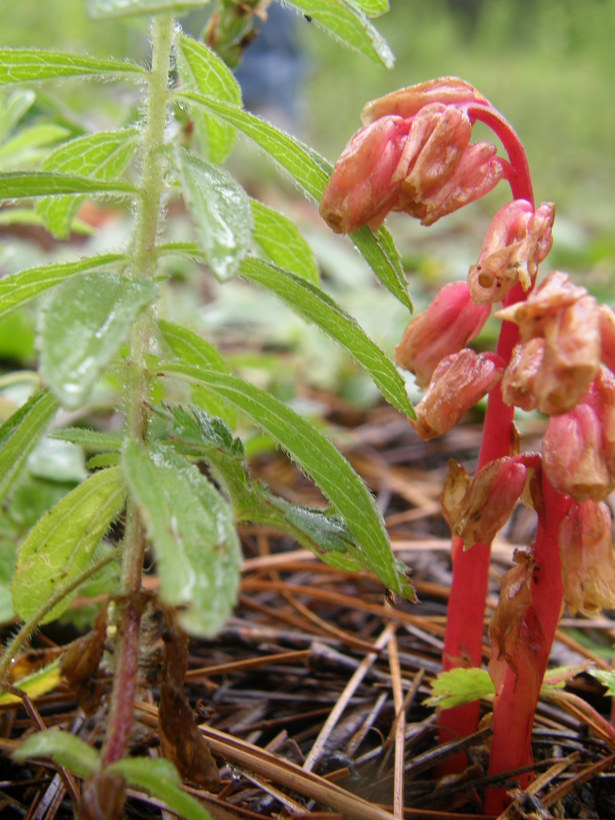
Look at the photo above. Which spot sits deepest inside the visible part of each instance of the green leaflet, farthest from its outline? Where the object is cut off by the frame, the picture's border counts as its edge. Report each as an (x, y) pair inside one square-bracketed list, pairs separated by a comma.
[(312, 172), (160, 778), (197, 549), (20, 433), (188, 347), (221, 213), (347, 22), (282, 243), (61, 545), (316, 306), (26, 184), (98, 9), (373, 8), (20, 288), (84, 323), (26, 65), (101, 156), (92, 441), (191, 348), (322, 531), (319, 458), (66, 749), (13, 109), (202, 70), (28, 145)]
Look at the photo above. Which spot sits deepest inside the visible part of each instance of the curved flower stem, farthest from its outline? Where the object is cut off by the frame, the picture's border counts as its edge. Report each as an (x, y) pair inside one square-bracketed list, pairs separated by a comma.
[(466, 608), (136, 393), (515, 704), (518, 177)]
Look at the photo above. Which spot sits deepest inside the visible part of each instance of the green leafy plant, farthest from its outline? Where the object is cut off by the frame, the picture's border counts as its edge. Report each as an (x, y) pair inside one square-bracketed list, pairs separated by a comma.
[(102, 331)]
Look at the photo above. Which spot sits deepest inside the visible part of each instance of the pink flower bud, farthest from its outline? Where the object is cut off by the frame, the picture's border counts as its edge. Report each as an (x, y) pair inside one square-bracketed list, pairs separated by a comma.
[(572, 454), (408, 101), (448, 324), (568, 319), (477, 508), (588, 558), (478, 172), (458, 382), (438, 137), (518, 239), (361, 190), (607, 336), (519, 381)]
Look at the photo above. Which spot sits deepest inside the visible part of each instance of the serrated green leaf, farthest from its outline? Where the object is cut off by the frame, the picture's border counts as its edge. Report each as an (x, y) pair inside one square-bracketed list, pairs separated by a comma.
[(347, 22), (159, 777), (322, 531), (190, 348), (26, 146), (92, 441), (193, 535), (66, 749), (36, 684), (373, 8), (26, 65), (61, 545), (304, 164), (319, 458), (316, 306), (20, 288), (14, 108), (84, 323), (312, 172), (282, 243), (606, 677), (202, 70), (101, 156), (221, 213), (29, 184), (458, 686), (20, 433), (99, 9)]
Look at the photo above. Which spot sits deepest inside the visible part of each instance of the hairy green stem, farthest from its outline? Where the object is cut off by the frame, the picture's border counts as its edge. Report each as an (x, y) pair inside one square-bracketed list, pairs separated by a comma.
[(29, 628), (136, 392)]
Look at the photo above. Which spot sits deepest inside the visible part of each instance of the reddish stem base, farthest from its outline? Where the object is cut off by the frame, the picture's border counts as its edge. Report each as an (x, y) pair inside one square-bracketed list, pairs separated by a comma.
[(515, 705)]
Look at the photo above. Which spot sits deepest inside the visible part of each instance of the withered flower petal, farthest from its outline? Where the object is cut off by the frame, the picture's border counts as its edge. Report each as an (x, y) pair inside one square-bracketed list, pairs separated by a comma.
[(406, 102), (508, 631), (519, 381), (519, 238), (476, 509), (572, 454), (588, 558)]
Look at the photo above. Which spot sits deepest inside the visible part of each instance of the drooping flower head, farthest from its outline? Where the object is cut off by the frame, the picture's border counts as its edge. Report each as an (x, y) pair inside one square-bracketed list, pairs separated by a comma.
[(412, 155)]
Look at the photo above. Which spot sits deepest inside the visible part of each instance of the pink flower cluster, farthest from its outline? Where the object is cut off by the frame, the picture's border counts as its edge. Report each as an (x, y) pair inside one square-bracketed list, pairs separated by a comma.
[(414, 155)]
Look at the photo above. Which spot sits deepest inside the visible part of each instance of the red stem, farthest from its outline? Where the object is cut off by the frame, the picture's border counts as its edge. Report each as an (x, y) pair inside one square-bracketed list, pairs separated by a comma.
[(515, 706), (466, 608)]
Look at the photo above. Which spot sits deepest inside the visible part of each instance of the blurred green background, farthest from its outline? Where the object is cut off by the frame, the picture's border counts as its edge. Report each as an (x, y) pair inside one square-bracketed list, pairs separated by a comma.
[(547, 64)]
